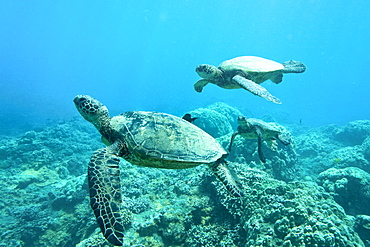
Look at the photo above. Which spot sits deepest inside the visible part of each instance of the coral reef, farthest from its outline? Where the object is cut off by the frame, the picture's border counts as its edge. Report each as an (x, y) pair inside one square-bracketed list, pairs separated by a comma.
[(343, 157), (349, 186), (354, 133), (217, 119), (275, 213), (44, 199), (328, 147), (366, 148), (362, 227), (44, 186)]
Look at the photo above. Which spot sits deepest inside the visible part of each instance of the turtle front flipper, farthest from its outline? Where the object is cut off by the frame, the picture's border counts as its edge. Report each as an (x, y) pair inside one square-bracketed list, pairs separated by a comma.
[(260, 144), (255, 89), (232, 140), (225, 175), (105, 194), (199, 85)]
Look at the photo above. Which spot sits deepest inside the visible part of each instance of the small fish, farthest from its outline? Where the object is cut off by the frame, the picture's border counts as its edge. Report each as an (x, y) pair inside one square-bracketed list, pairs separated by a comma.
[(188, 118)]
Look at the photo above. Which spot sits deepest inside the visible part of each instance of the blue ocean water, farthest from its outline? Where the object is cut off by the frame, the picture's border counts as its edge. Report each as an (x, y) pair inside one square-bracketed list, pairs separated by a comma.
[(142, 55)]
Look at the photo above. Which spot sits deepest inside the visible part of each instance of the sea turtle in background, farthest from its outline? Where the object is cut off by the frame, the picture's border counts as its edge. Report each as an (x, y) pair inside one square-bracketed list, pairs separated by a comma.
[(147, 139), (246, 72), (252, 128)]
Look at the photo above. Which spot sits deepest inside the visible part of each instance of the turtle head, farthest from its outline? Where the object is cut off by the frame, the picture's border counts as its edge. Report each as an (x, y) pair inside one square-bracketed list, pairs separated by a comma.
[(243, 122), (92, 110), (207, 71)]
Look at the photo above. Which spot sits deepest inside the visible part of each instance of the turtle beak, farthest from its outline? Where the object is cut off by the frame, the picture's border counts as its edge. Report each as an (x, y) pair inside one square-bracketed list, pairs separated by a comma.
[(85, 104), (242, 120), (79, 100), (200, 68), (203, 70)]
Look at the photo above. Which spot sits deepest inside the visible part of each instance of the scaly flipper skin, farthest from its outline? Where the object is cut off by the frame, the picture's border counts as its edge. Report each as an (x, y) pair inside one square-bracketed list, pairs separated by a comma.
[(255, 88), (199, 85), (223, 173), (105, 194)]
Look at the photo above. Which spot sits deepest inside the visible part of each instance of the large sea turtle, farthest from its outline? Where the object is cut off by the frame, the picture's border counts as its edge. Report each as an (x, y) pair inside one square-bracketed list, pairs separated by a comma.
[(147, 139), (246, 72), (252, 128)]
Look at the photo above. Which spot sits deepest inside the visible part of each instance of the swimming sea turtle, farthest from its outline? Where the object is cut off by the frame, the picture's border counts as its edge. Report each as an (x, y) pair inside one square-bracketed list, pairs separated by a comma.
[(246, 72), (147, 139), (252, 128)]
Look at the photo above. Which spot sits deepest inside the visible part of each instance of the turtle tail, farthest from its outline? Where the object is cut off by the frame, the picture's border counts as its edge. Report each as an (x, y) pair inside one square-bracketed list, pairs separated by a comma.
[(292, 66), (227, 177)]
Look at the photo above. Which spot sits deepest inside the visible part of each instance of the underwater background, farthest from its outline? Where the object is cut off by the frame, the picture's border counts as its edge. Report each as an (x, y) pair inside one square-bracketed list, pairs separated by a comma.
[(134, 55), (143, 56)]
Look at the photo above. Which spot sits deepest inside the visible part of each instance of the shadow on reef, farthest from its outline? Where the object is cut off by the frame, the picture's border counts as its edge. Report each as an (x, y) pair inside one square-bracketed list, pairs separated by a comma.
[(312, 193)]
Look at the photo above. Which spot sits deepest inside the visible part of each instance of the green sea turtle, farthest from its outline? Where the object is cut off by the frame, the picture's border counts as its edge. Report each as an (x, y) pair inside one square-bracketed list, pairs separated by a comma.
[(252, 128), (147, 139), (246, 72)]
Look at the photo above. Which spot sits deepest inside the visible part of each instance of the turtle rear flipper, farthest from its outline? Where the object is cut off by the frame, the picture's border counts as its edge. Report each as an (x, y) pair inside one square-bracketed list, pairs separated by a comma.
[(255, 89), (232, 140), (224, 174), (105, 194), (277, 78), (292, 66)]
